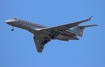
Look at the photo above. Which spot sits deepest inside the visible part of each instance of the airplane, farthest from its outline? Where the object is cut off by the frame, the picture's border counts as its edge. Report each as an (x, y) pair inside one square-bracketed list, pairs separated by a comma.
[(42, 34)]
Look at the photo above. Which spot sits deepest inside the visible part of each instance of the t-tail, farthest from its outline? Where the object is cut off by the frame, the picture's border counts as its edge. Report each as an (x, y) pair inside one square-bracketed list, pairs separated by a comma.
[(78, 30)]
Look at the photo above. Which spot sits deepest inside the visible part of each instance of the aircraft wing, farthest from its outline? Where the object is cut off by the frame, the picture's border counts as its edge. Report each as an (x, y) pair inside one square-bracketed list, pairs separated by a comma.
[(38, 42), (66, 26)]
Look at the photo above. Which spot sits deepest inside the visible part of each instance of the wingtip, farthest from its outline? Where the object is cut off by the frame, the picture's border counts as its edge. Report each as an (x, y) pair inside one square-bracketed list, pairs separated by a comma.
[(90, 17)]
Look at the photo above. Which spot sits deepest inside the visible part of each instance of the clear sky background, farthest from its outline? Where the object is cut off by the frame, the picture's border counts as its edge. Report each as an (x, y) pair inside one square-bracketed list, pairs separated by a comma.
[(17, 48)]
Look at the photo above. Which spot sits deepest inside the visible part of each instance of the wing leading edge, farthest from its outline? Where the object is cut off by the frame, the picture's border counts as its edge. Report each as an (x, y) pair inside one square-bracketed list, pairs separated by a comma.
[(67, 26)]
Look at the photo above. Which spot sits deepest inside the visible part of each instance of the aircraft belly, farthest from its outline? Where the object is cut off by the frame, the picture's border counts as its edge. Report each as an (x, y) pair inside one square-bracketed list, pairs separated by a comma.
[(62, 37), (66, 37)]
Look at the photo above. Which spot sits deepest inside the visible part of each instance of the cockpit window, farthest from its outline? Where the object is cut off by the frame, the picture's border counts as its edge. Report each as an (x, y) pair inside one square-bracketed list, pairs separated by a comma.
[(15, 18)]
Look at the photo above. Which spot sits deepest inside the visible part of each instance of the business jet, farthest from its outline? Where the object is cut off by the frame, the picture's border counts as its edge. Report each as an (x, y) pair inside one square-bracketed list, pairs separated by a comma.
[(42, 34)]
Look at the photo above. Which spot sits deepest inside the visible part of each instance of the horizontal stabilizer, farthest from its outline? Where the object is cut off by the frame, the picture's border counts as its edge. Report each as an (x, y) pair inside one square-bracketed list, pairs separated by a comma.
[(79, 29), (87, 26), (83, 27)]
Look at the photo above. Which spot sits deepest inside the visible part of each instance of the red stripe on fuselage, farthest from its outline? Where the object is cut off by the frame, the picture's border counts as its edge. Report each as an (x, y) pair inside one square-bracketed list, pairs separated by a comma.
[(72, 37), (70, 33)]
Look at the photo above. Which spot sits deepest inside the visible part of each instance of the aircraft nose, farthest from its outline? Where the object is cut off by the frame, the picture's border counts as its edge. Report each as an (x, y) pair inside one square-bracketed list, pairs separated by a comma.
[(9, 21)]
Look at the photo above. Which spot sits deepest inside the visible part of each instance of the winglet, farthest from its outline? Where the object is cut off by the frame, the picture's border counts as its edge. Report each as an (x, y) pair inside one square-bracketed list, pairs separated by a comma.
[(78, 22), (90, 18)]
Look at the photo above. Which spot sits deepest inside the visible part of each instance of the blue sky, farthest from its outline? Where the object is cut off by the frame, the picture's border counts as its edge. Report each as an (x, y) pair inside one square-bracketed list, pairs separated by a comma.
[(17, 48)]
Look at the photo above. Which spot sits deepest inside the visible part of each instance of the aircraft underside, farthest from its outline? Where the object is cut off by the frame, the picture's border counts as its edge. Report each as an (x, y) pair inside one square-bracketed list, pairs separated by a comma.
[(42, 34)]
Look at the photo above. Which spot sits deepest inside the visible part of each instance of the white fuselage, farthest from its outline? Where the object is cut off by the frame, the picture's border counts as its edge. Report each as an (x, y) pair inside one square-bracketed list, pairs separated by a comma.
[(32, 27)]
